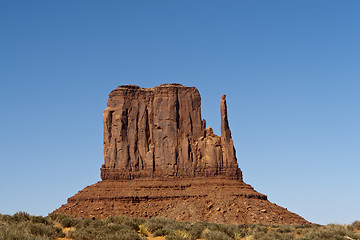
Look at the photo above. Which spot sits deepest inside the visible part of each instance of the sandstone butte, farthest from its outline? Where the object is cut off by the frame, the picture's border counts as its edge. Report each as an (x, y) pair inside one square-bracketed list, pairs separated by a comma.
[(162, 161)]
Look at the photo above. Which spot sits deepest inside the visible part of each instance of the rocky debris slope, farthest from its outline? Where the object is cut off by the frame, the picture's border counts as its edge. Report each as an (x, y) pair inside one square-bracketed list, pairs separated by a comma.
[(162, 161), (159, 132), (199, 199)]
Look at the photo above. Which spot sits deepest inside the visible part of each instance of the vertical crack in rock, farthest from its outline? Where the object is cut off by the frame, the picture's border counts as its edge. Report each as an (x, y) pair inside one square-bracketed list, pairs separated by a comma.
[(147, 130), (136, 150), (177, 111), (191, 125), (153, 165), (176, 165), (124, 125), (159, 132)]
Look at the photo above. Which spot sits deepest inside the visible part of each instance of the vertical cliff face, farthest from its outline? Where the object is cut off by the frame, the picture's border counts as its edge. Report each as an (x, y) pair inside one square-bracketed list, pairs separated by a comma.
[(158, 132)]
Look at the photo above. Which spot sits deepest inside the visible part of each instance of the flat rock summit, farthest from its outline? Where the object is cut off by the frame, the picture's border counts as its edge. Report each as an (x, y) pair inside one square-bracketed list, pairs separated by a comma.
[(162, 161)]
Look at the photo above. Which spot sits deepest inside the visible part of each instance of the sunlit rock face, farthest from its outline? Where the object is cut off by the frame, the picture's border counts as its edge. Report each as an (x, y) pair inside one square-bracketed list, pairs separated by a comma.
[(158, 132)]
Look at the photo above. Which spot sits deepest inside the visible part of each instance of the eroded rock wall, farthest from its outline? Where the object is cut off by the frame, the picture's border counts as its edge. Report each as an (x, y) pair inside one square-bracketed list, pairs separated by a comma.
[(159, 132)]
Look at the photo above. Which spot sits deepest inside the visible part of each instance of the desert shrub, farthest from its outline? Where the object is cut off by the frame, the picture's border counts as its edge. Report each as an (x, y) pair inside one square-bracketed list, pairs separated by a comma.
[(161, 232), (258, 229), (356, 225), (126, 235), (83, 234), (270, 235), (113, 233), (22, 226), (182, 233), (228, 230), (166, 227), (196, 230), (124, 220), (283, 229), (69, 222), (63, 219), (96, 224), (174, 226), (84, 222), (262, 232), (328, 232), (214, 235), (240, 231), (253, 225), (40, 229), (143, 230), (29, 231), (179, 235), (173, 229), (303, 226), (7, 219), (57, 217), (21, 217), (115, 228), (39, 219), (157, 223)]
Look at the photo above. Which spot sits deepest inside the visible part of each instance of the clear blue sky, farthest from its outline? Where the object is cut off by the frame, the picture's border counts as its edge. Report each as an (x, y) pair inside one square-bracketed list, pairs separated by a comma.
[(290, 69)]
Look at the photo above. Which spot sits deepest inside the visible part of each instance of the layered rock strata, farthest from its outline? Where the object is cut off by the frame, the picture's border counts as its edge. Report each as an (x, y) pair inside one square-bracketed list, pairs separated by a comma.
[(217, 199), (162, 161), (159, 132)]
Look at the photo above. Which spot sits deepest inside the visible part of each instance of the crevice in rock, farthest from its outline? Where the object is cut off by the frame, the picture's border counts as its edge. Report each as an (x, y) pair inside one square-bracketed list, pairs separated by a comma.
[(176, 166), (153, 163), (177, 111), (147, 129), (189, 151), (191, 123), (110, 122), (124, 124), (136, 147)]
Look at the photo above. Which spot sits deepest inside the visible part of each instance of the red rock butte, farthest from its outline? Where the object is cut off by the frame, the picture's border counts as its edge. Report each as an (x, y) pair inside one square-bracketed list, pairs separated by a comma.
[(162, 161)]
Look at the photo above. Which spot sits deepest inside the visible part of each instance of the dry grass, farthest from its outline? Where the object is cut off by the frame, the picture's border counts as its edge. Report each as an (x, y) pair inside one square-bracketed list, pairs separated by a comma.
[(62, 227)]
